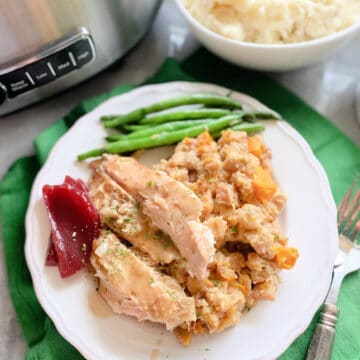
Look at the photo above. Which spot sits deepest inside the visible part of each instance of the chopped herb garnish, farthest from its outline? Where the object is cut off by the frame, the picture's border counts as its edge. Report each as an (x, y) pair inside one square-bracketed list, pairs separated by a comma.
[(161, 268), (198, 313), (128, 219), (123, 253), (158, 234), (165, 243), (138, 205), (234, 229), (149, 184), (151, 281), (172, 295), (216, 282), (250, 211), (276, 237), (109, 220)]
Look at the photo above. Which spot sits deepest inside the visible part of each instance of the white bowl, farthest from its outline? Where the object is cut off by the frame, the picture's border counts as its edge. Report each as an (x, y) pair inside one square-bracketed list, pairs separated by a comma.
[(279, 57)]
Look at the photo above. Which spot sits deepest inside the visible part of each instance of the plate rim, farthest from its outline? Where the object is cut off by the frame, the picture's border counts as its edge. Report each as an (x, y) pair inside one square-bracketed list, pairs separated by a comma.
[(326, 194)]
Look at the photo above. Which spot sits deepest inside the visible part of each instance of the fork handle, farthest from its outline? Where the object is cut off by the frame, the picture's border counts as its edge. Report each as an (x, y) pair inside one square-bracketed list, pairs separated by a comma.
[(323, 337)]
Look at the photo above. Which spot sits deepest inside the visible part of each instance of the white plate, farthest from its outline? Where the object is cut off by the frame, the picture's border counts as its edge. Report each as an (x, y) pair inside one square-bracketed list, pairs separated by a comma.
[(263, 333)]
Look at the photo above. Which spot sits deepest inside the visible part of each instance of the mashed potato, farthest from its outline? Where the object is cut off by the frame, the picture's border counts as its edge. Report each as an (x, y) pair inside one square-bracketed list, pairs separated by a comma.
[(275, 21)]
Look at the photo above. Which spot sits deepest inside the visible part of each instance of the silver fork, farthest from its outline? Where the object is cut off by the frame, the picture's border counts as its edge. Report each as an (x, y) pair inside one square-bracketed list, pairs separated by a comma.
[(347, 261)]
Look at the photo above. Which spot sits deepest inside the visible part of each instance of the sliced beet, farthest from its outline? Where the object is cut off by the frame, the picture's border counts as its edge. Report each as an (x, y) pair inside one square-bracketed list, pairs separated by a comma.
[(51, 259), (78, 184), (74, 223), (83, 191)]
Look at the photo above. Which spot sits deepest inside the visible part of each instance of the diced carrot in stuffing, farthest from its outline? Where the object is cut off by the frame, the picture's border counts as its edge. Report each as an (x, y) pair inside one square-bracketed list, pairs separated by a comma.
[(204, 138), (256, 146), (227, 319), (183, 336), (240, 286), (286, 257), (187, 141), (137, 154), (263, 185), (208, 160), (199, 328)]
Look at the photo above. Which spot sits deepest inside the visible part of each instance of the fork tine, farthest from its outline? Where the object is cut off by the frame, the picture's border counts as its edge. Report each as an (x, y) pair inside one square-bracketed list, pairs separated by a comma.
[(350, 226), (352, 213), (344, 203), (355, 233)]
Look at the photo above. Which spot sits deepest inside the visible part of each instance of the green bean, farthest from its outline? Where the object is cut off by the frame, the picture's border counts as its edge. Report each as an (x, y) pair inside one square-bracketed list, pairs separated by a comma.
[(134, 127), (259, 115), (194, 113), (166, 138), (147, 130), (185, 114), (114, 137), (204, 99), (108, 117), (125, 131), (154, 130), (142, 130), (247, 127), (167, 127)]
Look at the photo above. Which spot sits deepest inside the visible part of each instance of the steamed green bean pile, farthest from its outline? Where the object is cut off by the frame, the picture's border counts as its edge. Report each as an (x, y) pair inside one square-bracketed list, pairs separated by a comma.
[(150, 126)]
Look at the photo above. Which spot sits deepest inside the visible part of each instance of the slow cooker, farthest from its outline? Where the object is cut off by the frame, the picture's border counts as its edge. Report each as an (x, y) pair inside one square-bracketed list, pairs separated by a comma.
[(47, 46)]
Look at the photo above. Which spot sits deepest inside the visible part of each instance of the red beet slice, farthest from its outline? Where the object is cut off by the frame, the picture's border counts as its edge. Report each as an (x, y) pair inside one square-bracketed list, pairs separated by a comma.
[(74, 223), (51, 259), (82, 190), (77, 184)]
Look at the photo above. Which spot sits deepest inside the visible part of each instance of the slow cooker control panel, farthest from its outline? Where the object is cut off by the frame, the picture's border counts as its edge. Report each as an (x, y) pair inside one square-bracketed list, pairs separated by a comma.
[(67, 55)]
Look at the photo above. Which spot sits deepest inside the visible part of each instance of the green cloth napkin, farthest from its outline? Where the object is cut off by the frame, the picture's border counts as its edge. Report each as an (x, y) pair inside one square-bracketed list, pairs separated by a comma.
[(338, 155)]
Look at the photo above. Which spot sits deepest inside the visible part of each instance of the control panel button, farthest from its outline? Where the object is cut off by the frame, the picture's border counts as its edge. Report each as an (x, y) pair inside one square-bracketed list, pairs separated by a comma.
[(40, 72), (58, 61), (82, 52), (2, 94), (61, 63), (17, 82)]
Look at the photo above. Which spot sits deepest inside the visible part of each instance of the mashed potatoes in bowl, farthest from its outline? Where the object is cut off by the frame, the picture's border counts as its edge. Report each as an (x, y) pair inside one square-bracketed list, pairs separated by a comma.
[(272, 35), (275, 21)]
